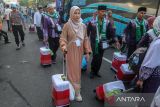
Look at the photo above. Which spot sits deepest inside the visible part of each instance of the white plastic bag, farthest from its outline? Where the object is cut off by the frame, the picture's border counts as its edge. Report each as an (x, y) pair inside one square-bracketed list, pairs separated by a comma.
[(108, 87), (71, 92), (125, 69)]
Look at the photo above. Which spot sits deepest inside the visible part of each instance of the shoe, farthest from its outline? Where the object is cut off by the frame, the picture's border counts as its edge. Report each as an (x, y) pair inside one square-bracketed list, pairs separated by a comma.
[(18, 47), (98, 75), (23, 44), (91, 75), (78, 98), (7, 42)]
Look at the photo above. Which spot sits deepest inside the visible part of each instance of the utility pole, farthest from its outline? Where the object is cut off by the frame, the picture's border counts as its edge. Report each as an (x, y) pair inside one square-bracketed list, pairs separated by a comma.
[(158, 8)]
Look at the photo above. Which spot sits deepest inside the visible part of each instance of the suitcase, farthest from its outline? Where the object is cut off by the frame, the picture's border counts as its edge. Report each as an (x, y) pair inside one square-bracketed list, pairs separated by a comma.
[(110, 100), (100, 92), (125, 74), (102, 89), (31, 28), (45, 56), (118, 60), (60, 90)]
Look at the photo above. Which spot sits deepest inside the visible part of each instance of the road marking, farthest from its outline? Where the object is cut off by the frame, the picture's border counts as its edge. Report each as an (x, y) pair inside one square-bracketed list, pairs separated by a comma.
[(19, 93), (107, 60)]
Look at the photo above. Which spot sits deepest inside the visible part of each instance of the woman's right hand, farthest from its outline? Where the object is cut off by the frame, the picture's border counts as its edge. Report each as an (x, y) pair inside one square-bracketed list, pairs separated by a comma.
[(64, 49)]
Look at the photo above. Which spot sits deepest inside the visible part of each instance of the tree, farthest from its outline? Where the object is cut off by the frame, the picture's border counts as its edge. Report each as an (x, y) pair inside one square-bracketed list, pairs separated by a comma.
[(34, 2), (23, 2)]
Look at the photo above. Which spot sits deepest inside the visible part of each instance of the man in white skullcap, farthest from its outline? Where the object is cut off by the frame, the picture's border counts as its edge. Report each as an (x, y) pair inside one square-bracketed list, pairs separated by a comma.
[(51, 30)]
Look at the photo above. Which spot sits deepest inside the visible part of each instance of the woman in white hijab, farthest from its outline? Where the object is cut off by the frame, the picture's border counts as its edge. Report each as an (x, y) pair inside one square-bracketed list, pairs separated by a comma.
[(156, 99), (149, 76), (74, 41)]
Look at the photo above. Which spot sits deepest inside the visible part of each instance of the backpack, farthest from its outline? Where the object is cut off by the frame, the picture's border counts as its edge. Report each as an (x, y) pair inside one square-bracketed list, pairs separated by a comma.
[(136, 59)]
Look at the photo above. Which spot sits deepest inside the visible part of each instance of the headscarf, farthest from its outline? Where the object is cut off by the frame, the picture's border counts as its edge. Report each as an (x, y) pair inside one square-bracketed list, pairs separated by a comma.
[(150, 21), (152, 32), (77, 26), (156, 99), (151, 59), (156, 26), (109, 12)]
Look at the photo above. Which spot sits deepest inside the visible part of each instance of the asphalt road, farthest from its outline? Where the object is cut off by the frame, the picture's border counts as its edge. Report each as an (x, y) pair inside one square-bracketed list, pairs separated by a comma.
[(25, 83)]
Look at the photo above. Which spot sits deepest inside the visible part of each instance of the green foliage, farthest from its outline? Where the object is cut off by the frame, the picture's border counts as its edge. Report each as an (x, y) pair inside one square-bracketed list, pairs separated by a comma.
[(35, 2), (44, 2), (23, 2)]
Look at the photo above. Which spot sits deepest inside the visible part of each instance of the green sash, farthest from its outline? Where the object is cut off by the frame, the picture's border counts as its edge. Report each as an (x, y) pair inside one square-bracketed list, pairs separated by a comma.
[(55, 15), (140, 29), (101, 32)]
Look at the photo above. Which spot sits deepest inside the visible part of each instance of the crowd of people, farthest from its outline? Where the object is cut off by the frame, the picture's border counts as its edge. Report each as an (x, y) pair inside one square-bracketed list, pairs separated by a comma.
[(16, 22), (76, 39)]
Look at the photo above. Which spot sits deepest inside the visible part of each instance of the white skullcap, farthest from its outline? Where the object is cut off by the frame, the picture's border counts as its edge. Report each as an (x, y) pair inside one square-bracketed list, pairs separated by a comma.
[(53, 5)]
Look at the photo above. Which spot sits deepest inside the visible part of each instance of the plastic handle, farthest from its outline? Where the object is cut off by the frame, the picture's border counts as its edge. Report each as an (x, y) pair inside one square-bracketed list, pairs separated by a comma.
[(64, 65)]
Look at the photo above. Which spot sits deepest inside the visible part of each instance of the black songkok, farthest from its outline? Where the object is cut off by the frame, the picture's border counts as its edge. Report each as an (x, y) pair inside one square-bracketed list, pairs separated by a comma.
[(102, 7), (142, 9)]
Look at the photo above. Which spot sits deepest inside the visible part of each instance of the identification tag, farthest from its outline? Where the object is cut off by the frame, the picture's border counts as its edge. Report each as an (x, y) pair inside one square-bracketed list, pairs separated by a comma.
[(78, 43)]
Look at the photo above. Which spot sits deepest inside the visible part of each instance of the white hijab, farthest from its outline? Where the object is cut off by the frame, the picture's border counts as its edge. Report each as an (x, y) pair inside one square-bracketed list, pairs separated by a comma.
[(152, 58), (77, 26), (156, 99), (156, 25)]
